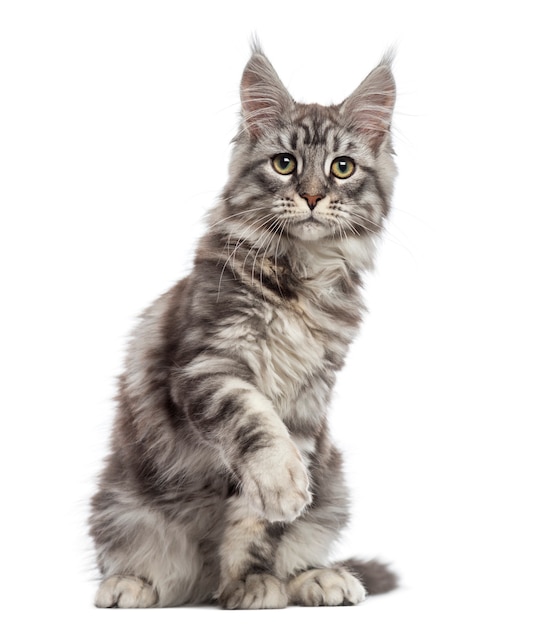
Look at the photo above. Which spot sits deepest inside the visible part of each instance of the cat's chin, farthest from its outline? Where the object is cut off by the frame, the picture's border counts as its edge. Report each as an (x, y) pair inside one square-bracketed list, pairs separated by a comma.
[(310, 230)]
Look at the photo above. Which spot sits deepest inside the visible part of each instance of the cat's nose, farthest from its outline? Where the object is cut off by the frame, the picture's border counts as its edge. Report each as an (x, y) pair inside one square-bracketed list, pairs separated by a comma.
[(311, 200)]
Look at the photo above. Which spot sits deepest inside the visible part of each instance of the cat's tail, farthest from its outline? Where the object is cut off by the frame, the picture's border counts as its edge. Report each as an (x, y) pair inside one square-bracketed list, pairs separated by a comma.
[(376, 577)]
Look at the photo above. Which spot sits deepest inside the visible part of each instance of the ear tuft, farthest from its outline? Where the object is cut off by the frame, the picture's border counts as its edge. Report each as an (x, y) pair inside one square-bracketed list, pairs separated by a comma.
[(264, 98), (369, 108)]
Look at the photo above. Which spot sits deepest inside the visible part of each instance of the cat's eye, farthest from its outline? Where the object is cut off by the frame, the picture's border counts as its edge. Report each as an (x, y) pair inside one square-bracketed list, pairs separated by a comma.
[(284, 164), (343, 167)]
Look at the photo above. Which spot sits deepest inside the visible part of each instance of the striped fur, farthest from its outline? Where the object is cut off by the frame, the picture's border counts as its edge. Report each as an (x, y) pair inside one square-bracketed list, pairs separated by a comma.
[(223, 483)]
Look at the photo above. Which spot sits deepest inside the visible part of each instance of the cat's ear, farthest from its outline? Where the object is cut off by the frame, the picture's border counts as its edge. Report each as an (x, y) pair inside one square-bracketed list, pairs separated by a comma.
[(369, 108), (263, 96)]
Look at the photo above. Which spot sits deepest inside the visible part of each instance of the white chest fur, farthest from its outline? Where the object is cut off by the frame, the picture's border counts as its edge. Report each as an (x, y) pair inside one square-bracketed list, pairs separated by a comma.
[(289, 353), (292, 359)]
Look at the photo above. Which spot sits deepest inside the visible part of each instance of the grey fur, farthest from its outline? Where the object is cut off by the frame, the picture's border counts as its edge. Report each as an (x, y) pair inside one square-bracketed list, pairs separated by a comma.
[(223, 482)]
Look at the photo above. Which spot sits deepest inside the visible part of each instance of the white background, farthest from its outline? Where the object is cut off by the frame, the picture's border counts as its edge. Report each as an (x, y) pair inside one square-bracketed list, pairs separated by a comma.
[(115, 123)]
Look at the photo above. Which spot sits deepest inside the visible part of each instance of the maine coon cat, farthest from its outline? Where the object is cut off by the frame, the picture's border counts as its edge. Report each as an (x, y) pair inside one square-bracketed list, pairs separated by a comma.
[(223, 483)]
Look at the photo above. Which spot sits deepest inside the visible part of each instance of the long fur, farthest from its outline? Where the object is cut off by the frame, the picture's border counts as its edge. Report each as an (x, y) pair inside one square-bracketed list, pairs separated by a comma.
[(223, 483)]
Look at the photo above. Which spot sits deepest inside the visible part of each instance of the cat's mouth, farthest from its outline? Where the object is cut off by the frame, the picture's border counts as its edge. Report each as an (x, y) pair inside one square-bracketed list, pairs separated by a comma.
[(310, 220), (310, 228)]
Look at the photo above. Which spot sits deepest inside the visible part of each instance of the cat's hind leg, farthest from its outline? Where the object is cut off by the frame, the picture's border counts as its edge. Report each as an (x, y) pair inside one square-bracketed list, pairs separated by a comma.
[(302, 558), (304, 547), (148, 558)]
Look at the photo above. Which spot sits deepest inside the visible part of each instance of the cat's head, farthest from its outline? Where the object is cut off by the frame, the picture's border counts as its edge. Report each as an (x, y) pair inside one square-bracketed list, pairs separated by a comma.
[(309, 172)]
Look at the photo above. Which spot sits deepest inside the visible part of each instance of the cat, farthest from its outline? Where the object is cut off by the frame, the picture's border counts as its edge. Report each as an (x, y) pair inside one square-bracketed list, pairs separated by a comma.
[(223, 484)]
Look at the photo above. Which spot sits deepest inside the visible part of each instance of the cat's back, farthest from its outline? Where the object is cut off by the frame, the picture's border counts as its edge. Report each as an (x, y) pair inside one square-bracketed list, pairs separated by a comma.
[(154, 339)]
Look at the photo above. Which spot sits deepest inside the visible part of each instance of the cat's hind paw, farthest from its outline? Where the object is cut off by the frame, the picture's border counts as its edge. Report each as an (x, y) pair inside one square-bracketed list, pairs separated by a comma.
[(125, 592), (325, 587)]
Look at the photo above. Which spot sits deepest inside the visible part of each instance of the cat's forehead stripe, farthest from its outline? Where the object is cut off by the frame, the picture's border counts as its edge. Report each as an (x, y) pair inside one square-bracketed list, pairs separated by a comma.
[(315, 132), (294, 140), (315, 125)]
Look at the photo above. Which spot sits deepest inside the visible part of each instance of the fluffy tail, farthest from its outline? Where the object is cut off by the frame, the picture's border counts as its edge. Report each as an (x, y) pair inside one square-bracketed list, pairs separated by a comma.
[(375, 577)]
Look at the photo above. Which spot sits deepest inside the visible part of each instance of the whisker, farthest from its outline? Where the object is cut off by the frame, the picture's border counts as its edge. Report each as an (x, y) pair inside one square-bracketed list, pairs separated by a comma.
[(281, 230), (261, 221), (229, 217), (261, 245), (388, 235)]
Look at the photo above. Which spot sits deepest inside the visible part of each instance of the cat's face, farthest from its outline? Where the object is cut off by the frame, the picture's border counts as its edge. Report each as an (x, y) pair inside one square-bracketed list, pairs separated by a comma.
[(311, 172), (314, 178)]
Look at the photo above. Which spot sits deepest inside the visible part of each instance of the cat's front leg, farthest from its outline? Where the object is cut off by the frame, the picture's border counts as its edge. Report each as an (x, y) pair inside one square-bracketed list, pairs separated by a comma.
[(247, 556), (275, 480), (235, 418)]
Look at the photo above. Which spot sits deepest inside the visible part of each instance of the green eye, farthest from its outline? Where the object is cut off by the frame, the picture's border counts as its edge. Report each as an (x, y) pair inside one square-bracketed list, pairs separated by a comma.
[(284, 164), (343, 167)]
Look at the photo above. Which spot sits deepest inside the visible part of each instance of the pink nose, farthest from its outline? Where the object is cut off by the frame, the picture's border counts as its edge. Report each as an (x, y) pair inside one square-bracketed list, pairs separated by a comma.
[(311, 200)]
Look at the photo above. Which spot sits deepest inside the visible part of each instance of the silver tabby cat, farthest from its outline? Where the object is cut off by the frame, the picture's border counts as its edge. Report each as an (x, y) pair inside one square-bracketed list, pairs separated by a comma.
[(223, 483)]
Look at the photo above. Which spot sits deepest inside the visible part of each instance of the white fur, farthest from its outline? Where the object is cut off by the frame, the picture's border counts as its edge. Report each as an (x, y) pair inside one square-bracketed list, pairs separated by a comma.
[(325, 587), (125, 592), (256, 591), (276, 482)]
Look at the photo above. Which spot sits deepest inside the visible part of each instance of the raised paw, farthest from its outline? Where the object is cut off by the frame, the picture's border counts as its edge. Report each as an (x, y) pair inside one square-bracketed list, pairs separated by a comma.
[(125, 592), (325, 587), (276, 482), (256, 591)]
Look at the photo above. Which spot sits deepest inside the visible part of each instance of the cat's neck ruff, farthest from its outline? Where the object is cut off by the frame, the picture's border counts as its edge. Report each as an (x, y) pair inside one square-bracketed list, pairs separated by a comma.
[(324, 260), (324, 263)]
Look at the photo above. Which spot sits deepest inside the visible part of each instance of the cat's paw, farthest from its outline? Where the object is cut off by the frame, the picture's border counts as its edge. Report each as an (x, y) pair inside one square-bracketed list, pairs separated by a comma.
[(125, 592), (256, 591), (325, 587), (276, 482)]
